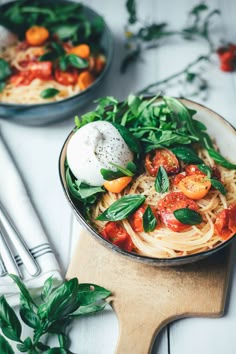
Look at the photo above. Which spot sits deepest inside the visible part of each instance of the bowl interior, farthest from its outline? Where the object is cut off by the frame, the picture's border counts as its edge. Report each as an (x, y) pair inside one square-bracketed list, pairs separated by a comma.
[(225, 136)]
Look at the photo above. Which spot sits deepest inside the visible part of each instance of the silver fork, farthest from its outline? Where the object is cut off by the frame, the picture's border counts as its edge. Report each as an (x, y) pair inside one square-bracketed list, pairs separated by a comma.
[(8, 231)]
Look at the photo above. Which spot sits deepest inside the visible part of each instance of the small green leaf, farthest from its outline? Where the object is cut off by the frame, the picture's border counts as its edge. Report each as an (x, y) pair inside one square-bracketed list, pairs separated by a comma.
[(205, 169), (149, 220), (218, 185), (218, 158), (90, 293), (24, 291), (122, 208), (188, 216), (131, 8), (2, 86), (47, 288), (87, 310), (29, 317), (49, 92), (125, 171), (63, 63), (67, 30), (49, 56), (5, 70), (186, 154), (55, 350), (25, 346), (132, 142), (77, 62), (5, 347), (110, 175), (64, 341), (162, 181), (9, 323)]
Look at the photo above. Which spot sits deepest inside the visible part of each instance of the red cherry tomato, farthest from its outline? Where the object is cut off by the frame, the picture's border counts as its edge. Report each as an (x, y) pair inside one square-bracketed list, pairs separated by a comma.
[(42, 70), (115, 233), (193, 170), (136, 220), (66, 78), (225, 224), (170, 203), (34, 70), (161, 157), (177, 178)]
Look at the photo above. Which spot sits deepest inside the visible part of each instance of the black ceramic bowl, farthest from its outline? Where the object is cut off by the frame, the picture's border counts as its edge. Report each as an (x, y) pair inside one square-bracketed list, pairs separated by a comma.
[(225, 136), (47, 113)]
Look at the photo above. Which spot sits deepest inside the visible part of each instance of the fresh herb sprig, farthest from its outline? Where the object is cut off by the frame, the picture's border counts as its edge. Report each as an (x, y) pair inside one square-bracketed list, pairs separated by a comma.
[(5, 72), (58, 306)]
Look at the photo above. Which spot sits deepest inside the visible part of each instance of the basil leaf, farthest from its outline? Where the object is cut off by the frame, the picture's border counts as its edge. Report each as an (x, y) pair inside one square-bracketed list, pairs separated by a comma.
[(47, 288), (9, 323), (58, 48), (5, 346), (66, 31), (218, 185), (125, 171), (63, 341), (5, 70), (86, 191), (29, 317), (24, 291), (132, 142), (77, 62), (109, 175), (63, 63), (49, 92), (218, 158), (2, 86), (86, 310), (49, 56), (56, 350), (162, 181), (149, 220), (188, 216), (131, 167), (122, 208), (186, 154), (25, 346), (90, 293), (205, 169)]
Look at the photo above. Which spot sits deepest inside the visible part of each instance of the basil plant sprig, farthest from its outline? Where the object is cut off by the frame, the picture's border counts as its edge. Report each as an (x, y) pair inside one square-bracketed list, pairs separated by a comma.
[(58, 306)]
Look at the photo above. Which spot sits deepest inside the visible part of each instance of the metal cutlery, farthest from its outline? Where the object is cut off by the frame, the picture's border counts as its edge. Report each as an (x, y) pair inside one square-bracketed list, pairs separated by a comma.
[(8, 231)]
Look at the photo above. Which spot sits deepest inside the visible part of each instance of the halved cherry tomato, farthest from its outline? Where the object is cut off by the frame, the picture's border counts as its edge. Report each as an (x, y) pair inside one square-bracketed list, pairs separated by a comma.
[(161, 157), (118, 184), (85, 79), (225, 224), (100, 62), (195, 186), (41, 69), (177, 178), (170, 203), (136, 219), (114, 232), (37, 35), (82, 50), (193, 170), (66, 78)]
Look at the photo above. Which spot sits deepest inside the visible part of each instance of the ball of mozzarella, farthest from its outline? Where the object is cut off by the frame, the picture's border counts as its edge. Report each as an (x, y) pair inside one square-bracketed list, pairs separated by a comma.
[(93, 147)]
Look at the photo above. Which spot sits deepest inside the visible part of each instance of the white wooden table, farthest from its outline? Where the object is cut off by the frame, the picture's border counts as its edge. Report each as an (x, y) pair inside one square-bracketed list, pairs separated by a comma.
[(36, 151)]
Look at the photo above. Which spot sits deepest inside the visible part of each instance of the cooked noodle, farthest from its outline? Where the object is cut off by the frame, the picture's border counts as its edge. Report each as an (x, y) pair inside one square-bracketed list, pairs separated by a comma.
[(163, 242)]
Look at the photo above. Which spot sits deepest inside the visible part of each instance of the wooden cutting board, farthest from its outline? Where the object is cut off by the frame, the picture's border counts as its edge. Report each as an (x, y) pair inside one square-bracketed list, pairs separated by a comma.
[(146, 298)]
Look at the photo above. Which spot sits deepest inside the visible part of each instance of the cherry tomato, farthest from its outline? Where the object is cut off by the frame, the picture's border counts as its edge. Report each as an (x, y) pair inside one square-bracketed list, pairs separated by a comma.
[(36, 35), (177, 178), (136, 219), (85, 79), (23, 78), (195, 186), (117, 185), (100, 62), (161, 157), (193, 170), (82, 50), (170, 203), (114, 232), (225, 224), (42, 70), (66, 78)]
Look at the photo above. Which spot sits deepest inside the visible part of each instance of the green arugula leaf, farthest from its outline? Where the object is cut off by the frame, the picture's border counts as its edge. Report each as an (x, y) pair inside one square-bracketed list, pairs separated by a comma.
[(122, 208), (188, 216), (9, 323), (149, 220), (5, 346), (218, 158), (49, 92), (5, 70), (218, 185), (162, 181), (134, 103), (187, 155)]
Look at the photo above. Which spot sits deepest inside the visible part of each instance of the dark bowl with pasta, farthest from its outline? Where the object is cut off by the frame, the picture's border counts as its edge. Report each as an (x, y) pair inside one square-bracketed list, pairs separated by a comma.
[(224, 134), (46, 111)]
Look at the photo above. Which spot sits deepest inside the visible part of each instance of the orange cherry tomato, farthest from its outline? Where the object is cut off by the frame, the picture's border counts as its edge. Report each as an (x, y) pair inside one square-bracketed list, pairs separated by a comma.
[(170, 203), (177, 178), (100, 62), (117, 185), (114, 232), (195, 186), (225, 224), (66, 78), (136, 219), (82, 50), (37, 35), (85, 80), (161, 157)]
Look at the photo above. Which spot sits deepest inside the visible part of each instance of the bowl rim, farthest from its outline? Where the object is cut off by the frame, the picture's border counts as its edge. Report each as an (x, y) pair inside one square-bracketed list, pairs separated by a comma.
[(110, 53), (138, 257)]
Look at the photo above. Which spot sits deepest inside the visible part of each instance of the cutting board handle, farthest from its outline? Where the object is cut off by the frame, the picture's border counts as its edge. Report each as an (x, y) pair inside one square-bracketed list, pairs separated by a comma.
[(137, 334)]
